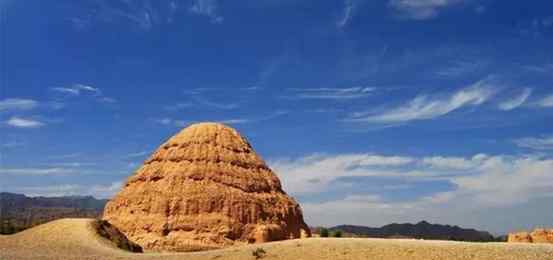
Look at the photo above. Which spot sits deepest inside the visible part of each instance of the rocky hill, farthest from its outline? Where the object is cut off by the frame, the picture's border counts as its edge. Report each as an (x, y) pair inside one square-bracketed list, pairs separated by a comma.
[(19, 212), (421, 230)]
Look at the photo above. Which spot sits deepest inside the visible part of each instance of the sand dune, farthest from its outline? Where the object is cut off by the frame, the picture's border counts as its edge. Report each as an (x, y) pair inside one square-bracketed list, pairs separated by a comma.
[(79, 239)]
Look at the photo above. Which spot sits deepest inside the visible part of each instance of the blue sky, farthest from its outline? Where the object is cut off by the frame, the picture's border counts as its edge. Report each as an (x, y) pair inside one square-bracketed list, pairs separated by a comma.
[(370, 112)]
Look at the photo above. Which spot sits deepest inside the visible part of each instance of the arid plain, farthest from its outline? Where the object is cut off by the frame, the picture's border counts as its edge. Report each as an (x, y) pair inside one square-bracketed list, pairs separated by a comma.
[(79, 239)]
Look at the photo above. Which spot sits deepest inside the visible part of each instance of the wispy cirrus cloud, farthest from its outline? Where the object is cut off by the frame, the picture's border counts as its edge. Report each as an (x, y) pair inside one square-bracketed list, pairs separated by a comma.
[(516, 101), (453, 163), (137, 154), (235, 121), (66, 156), (76, 164), (198, 97), (35, 171), (82, 90), (461, 68), (77, 89), (536, 143), (217, 105), (101, 191), (143, 15), (546, 102), (20, 122), (350, 7), (331, 93), (12, 144), (11, 104), (426, 107), (232, 121), (544, 68), (178, 106), (421, 9), (182, 123), (207, 8)]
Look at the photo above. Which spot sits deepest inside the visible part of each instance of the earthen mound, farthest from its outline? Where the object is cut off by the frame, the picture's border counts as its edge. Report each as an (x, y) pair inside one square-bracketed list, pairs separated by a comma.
[(204, 188), (539, 235)]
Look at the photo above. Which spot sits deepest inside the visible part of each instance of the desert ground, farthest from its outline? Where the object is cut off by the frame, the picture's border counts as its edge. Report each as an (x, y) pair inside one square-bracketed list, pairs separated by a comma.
[(79, 239)]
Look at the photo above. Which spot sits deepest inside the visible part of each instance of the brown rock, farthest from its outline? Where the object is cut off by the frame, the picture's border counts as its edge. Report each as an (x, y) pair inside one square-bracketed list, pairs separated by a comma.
[(542, 236), (204, 188), (537, 236), (520, 237)]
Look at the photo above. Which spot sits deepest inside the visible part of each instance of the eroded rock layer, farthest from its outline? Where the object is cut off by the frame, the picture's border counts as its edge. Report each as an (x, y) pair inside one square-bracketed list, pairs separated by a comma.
[(204, 188), (537, 236)]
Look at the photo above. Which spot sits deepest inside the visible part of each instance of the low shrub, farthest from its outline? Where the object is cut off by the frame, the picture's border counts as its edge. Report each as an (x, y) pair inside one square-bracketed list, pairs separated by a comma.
[(324, 232), (259, 253)]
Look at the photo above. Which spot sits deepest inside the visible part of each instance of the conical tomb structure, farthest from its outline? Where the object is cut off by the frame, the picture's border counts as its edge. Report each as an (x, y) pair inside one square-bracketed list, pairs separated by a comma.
[(204, 188)]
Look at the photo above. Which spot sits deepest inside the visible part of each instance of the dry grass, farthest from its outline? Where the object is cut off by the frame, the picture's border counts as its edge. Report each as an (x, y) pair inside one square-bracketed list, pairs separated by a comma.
[(77, 239)]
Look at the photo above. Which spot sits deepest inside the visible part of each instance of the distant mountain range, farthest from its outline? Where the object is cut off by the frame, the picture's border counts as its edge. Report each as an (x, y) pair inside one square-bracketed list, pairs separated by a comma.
[(421, 230), (19, 212)]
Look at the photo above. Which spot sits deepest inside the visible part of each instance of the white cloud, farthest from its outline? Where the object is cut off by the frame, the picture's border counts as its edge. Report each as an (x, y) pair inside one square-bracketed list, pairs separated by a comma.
[(349, 9), (506, 180), (19, 122), (164, 121), (17, 104), (66, 156), (67, 90), (98, 191), (517, 101), (50, 191), (544, 68), (544, 143), (183, 123), (546, 102), (333, 93), (82, 89), (143, 15), (105, 191), (35, 171), (486, 185), (424, 107), (421, 9), (453, 163), (107, 100), (77, 89), (462, 67), (235, 121), (13, 144), (314, 173), (72, 164), (137, 154), (496, 180), (547, 21), (178, 106), (216, 105), (207, 8)]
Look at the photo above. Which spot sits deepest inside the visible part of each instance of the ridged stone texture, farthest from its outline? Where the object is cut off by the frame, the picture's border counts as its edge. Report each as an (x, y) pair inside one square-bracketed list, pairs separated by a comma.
[(204, 188), (539, 235)]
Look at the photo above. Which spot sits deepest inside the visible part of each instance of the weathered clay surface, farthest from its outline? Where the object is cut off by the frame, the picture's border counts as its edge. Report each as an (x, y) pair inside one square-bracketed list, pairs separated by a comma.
[(537, 236), (204, 188)]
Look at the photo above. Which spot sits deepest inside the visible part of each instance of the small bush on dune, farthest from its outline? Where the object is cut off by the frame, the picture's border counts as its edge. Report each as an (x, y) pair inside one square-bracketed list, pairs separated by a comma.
[(324, 232), (259, 253)]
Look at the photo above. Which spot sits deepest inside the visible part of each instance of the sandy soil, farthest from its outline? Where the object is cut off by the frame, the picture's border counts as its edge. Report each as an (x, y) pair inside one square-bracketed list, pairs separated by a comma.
[(78, 239)]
